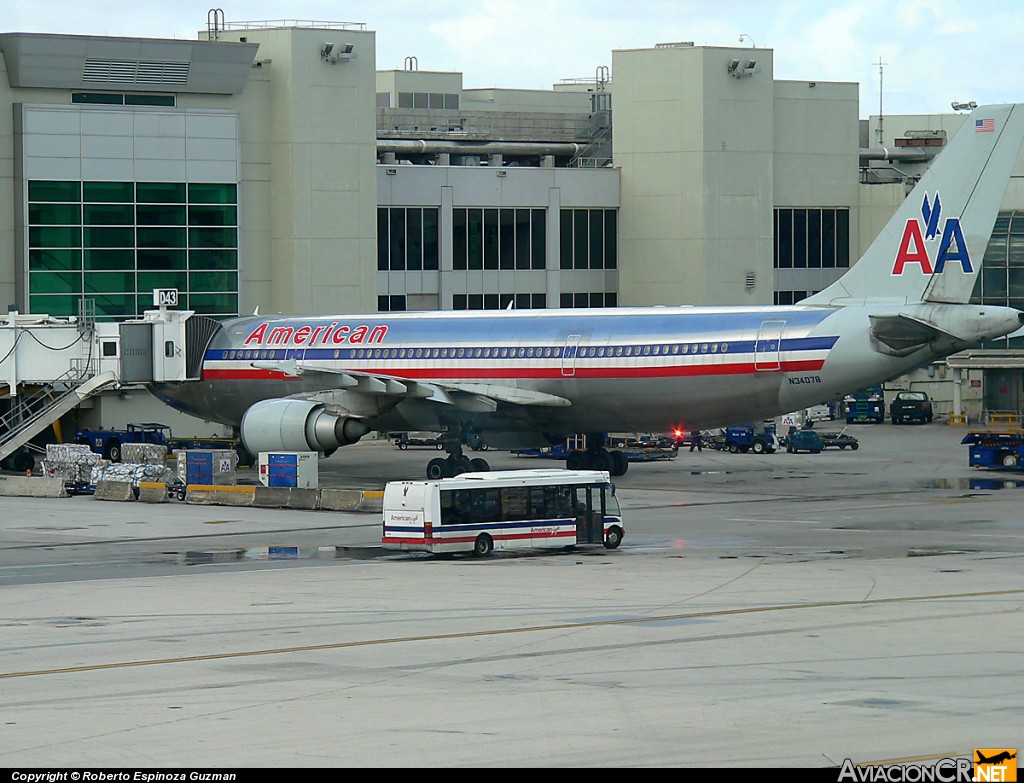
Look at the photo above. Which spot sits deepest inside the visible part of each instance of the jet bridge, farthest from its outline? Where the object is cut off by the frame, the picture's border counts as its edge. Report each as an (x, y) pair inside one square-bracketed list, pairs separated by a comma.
[(49, 366)]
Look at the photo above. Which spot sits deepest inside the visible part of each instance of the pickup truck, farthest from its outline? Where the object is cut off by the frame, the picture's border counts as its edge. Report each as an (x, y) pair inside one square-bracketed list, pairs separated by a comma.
[(910, 406)]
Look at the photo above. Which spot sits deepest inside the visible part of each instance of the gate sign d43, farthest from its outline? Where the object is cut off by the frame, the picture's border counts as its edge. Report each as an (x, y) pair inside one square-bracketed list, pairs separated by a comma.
[(165, 297)]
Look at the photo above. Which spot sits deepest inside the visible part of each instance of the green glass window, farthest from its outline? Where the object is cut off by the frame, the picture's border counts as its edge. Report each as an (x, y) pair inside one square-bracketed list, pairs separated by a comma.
[(213, 259), (150, 280), (57, 282), (108, 215), (212, 281), (54, 191), (115, 305), (213, 237), (162, 237), (110, 237), (108, 192), (109, 282), (109, 98), (149, 100), (54, 236), (54, 260), (54, 214), (213, 215), (213, 304), (204, 193), (114, 242), (109, 259), (160, 192), (162, 259), (160, 214), (1015, 250), (54, 305)]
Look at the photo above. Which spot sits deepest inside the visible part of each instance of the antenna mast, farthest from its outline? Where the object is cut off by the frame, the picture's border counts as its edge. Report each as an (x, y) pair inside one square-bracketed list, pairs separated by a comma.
[(880, 64)]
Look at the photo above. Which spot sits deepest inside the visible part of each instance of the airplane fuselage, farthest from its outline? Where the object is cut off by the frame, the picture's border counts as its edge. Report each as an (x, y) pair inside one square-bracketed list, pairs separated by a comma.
[(623, 369)]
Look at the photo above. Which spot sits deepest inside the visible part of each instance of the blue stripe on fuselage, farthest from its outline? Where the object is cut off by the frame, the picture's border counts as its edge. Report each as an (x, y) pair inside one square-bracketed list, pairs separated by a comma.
[(613, 326)]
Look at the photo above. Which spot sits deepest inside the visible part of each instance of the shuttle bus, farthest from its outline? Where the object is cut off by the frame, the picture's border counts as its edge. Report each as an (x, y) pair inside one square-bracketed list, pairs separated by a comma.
[(512, 509)]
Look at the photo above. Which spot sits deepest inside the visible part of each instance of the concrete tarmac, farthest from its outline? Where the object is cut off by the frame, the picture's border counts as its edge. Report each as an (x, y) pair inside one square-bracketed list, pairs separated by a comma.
[(763, 611)]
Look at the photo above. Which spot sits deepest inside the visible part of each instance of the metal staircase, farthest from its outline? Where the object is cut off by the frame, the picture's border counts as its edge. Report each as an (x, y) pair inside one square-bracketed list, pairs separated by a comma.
[(34, 413)]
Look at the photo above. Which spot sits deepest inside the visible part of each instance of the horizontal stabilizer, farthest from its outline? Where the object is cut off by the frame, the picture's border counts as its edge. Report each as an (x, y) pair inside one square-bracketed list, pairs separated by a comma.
[(901, 335)]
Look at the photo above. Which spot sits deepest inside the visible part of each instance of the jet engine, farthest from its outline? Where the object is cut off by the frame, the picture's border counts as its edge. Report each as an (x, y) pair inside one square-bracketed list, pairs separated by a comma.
[(298, 425)]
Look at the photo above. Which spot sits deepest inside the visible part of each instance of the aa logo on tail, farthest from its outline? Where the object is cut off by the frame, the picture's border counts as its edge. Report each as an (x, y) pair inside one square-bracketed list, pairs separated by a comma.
[(919, 234)]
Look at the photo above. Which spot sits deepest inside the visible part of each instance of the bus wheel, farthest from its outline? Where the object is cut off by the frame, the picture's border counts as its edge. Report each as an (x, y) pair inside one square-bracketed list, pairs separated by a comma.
[(613, 537), (437, 468), (483, 545)]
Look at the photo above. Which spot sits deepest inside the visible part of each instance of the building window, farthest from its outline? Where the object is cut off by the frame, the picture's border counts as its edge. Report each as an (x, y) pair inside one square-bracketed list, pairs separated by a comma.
[(498, 238), (407, 238), (122, 99), (790, 297), (427, 100), (588, 300), (1001, 281), (114, 242), (812, 238), (391, 304), (588, 239), (498, 301)]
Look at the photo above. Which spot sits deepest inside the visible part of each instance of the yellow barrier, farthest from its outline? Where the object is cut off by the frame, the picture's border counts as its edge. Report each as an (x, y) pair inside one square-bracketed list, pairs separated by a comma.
[(1003, 418), (957, 419)]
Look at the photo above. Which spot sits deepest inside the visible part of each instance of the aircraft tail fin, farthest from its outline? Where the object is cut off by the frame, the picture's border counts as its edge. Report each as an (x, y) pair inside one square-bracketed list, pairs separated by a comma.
[(932, 248)]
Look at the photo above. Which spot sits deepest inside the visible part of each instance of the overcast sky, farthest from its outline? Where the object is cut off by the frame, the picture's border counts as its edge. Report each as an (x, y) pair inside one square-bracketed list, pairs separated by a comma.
[(932, 51)]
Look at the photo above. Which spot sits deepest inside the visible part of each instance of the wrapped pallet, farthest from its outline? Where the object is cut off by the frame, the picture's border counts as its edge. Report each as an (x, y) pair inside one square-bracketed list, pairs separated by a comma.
[(144, 453), (132, 473), (69, 461)]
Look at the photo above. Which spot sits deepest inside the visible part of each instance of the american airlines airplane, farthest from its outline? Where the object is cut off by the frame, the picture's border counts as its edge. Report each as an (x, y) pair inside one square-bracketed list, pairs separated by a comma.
[(516, 379)]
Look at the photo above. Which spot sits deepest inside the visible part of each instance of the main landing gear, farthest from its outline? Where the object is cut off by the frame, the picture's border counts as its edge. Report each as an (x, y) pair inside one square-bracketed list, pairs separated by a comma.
[(597, 457), (456, 463)]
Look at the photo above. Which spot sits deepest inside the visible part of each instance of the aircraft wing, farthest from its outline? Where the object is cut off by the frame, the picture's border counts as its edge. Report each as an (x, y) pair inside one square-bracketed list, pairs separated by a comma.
[(474, 396)]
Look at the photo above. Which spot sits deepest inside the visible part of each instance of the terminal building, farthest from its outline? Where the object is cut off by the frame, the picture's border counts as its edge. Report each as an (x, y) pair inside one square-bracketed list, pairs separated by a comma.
[(278, 167)]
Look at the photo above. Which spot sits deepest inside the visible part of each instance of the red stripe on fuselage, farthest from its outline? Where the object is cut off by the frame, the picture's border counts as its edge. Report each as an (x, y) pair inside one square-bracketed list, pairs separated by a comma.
[(468, 373)]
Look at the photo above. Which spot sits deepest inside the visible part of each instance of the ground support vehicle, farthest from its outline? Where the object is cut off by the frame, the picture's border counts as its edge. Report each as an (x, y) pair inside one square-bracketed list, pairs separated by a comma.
[(417, 439), (510, 509), (803, 440), (743, 438), (839, 440), (108, 443), (867, 405), (996, 450), (910, 406)]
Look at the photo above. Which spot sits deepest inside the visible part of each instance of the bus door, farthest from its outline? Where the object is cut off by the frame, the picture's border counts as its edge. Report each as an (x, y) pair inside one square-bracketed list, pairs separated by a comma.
[(590, 515)]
